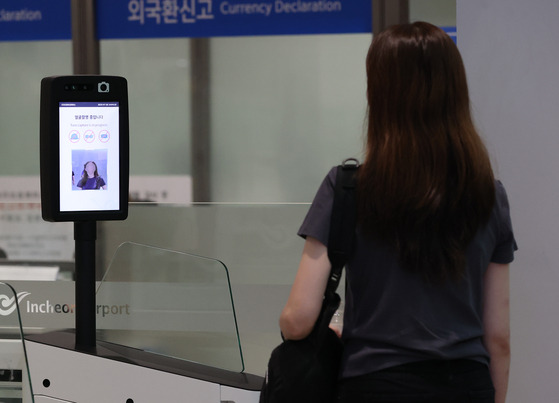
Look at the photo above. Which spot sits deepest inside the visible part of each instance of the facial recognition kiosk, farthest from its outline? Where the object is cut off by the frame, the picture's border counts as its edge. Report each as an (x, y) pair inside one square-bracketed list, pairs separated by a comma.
[(159, 311)]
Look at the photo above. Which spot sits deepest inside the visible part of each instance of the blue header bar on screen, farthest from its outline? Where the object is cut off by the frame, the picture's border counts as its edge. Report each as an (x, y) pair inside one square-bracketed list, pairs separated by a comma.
[(210, 18), (35, 20), (87, 104)]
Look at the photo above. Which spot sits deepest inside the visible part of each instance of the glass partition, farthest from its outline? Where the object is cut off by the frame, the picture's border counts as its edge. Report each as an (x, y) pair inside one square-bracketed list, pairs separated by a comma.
[(257, 243), (22, 66), (283, 110), (15, 382), (438, 12), (169, 303)]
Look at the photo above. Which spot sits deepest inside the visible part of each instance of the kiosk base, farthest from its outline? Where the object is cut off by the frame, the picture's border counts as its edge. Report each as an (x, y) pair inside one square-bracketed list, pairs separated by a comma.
[(114, 373)]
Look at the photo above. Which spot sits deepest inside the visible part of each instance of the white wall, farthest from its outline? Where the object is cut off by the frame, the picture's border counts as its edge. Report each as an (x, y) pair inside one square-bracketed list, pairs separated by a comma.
[(512, 57)]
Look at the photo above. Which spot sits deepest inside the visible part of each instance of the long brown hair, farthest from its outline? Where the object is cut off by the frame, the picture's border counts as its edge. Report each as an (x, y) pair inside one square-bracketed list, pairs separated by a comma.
[(426, 185)]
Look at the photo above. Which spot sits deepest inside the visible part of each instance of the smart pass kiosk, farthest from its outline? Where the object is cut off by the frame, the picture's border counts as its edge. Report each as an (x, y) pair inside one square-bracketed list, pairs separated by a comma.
[(84, 170), (84, 178)]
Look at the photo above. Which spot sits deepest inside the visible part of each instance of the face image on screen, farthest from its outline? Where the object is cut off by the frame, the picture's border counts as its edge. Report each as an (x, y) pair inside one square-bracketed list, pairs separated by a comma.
[(89, 156)]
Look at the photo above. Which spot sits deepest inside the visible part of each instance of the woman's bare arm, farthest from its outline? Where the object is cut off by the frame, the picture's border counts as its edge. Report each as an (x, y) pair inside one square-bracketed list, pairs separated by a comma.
[(496, 321), (305, 300)]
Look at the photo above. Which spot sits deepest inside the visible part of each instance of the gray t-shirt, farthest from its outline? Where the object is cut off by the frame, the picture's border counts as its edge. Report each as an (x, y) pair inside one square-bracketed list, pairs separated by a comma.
[(391, 316)]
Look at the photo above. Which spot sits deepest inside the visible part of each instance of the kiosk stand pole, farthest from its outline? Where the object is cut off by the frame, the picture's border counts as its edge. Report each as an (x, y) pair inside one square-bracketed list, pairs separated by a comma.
[(85, 235)]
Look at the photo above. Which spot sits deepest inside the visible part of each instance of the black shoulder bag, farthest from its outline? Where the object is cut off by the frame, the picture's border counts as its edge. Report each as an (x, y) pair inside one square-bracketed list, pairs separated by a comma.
[(306, 371)]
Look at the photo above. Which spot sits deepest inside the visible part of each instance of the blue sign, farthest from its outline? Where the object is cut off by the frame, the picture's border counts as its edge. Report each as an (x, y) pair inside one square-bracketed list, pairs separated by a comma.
[(209, 18), (35, 20), (451, 31)]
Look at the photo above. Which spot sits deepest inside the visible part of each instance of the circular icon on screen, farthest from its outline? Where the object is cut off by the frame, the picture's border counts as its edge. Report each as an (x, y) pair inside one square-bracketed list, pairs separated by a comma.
[(74, 136), (89, 136), (104, 136)]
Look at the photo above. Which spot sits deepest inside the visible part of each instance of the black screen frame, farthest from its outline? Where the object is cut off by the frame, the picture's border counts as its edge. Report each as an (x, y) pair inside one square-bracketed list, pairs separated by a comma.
[(79, 88)]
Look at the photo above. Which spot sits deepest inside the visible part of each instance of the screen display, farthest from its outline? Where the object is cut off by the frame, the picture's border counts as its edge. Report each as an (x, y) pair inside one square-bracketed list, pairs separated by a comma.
[(89, 156)]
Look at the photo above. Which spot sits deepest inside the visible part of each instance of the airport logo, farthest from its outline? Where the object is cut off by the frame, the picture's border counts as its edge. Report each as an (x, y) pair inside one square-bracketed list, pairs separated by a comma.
[(8, 304)]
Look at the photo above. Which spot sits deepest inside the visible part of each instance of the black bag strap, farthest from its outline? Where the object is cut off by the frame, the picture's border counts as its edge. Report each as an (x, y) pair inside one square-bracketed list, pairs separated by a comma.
[(340, 240), (342, 221)]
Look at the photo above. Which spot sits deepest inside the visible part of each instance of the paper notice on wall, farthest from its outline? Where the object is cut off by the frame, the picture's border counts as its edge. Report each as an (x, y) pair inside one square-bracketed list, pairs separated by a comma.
[(23, 233), (25, 236), (176, 189)]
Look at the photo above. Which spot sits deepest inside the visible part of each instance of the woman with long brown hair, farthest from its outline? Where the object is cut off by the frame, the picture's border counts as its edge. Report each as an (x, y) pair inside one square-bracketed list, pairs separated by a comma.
[(427, 301)]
